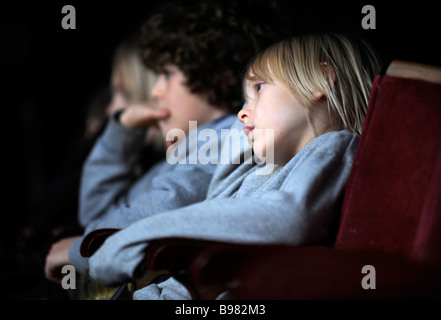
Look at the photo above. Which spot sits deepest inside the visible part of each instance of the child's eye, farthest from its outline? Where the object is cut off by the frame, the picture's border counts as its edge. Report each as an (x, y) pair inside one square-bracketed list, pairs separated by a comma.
[(259, 86), (167, 73)]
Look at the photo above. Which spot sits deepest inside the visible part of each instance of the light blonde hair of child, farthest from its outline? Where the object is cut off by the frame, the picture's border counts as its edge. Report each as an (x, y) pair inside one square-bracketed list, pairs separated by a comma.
[(129, 66), (340, 67)]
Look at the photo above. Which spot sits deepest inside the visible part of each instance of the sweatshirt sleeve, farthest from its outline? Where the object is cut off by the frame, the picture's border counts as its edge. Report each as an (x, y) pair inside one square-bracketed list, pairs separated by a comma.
[(167, 193), (108, 171), (301, 212), (172, 186)]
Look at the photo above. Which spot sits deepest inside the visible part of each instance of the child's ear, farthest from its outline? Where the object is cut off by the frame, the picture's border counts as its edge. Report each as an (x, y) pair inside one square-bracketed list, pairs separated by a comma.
[(330, 75), (329, 71), (318, 94)]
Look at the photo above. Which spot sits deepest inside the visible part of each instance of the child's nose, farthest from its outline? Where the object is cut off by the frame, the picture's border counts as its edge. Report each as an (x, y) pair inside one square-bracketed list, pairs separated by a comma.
[(244, 114), (157, 91)]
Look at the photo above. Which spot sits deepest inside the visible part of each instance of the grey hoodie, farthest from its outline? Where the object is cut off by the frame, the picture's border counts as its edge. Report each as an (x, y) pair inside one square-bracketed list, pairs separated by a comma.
[(111, 197), (297, 204)]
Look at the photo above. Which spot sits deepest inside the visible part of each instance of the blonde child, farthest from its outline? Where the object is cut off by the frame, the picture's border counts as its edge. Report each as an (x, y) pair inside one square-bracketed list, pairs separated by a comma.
[(309, 93)]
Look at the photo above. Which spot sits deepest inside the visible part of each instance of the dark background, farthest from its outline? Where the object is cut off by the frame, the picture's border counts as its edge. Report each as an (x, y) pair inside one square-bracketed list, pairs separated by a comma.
[(49, 75)]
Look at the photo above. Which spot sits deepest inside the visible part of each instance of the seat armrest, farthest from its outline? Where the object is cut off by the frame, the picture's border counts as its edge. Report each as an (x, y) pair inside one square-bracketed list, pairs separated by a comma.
[(206, 268), (177, 253), (173, 253), (181, 256), (94, 240)]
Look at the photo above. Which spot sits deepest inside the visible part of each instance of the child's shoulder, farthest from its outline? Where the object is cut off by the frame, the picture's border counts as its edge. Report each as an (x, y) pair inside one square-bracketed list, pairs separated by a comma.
[(341, 144), (337, 138)]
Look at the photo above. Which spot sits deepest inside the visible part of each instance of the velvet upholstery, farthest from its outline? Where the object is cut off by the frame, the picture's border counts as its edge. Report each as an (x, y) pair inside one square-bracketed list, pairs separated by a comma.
[(388, 199)]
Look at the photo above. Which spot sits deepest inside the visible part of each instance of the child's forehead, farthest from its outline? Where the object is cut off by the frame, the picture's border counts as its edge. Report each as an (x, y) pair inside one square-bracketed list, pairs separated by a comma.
[(260, 71), (250, 74), (250, 83)]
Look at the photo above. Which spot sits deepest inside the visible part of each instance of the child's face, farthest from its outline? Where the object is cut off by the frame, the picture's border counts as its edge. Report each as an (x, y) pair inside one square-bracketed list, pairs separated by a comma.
[(274, 121), (171, 93)]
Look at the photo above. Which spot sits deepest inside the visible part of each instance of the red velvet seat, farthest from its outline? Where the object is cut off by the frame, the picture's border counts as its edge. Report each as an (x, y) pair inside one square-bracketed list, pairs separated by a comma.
[(391, 216)]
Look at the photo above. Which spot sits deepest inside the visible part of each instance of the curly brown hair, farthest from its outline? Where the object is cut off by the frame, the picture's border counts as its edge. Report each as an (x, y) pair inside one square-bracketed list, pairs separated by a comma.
[(211, 42)]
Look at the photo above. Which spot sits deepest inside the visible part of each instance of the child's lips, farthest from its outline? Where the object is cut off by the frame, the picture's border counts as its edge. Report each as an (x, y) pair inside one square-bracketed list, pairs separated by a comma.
[(248, 130), (169, 143)]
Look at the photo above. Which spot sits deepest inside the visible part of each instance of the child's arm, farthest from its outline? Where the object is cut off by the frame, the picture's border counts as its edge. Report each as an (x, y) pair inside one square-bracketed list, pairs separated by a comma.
[(302, 212), (166, 187), (108, 171)]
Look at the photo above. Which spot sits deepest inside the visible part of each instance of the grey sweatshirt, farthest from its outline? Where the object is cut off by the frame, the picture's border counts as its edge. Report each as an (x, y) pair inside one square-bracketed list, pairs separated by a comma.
[(295, 205), (109, 195)]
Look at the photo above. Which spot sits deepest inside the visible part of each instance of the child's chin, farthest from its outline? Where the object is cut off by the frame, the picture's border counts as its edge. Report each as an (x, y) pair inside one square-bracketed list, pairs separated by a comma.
[(262, 154), (258, 156)]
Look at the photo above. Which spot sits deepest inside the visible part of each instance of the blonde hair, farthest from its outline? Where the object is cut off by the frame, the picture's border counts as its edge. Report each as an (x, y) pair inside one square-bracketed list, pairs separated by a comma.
[(341, 68), (127, 64)]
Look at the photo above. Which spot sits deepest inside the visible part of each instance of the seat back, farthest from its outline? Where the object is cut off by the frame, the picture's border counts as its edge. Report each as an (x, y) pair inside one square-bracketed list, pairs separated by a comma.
[(392, 201)]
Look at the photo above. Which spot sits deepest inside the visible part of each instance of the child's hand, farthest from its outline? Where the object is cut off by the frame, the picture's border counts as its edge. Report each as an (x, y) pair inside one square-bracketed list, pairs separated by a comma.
[(141, 116), (57, 258)]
